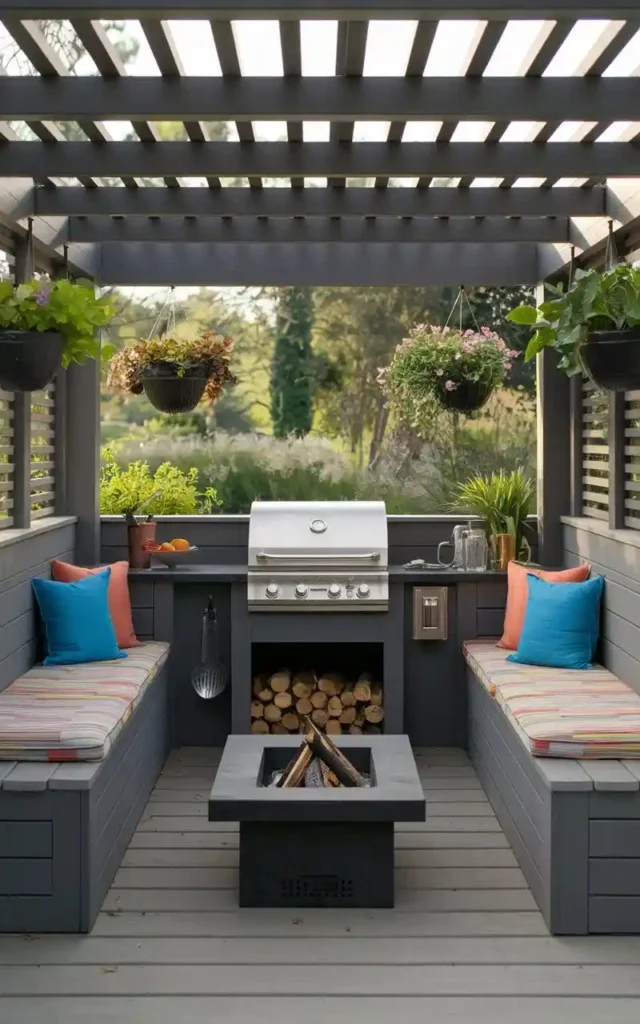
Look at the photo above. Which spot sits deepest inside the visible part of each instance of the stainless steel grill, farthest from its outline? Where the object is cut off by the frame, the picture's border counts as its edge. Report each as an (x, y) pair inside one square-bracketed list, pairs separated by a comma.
[(318, 556)]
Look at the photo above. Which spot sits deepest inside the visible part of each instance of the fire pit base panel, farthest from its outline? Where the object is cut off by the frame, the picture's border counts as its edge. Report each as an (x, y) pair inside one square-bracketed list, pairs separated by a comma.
[(316, 865), (316, 847)]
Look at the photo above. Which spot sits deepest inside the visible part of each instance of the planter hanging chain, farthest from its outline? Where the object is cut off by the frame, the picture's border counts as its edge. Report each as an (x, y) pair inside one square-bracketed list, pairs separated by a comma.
[(459, 301), (611, 258), (169, 305)]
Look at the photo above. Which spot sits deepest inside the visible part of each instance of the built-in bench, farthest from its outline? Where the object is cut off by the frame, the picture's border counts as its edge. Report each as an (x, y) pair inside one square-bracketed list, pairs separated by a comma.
[(65, 822), (573, 823)]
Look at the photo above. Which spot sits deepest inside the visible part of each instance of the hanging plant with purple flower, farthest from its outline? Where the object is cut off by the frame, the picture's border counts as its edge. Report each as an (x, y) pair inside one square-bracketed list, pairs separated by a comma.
[(457, 369), (45, 324)]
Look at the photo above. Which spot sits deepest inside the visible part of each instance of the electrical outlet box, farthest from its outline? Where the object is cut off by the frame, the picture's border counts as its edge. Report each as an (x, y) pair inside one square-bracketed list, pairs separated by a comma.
[(430, 613)]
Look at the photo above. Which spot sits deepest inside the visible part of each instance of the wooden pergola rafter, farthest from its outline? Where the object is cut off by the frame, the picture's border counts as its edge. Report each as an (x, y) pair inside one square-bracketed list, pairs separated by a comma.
[(159, 234)]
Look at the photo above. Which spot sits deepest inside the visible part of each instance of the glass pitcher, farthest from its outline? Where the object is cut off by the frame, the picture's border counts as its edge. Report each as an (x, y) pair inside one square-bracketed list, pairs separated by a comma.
[(477, 550)]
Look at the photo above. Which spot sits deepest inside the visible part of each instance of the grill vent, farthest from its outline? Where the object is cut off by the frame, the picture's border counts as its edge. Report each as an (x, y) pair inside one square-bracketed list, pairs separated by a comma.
[(317, 887)]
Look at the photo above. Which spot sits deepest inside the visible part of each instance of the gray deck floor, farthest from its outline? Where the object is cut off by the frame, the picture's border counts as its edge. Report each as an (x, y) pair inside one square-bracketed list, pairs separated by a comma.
[(465, 943)]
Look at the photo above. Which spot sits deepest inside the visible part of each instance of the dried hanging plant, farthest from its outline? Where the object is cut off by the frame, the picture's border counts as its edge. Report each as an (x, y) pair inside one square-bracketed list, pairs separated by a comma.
[(209, 351)]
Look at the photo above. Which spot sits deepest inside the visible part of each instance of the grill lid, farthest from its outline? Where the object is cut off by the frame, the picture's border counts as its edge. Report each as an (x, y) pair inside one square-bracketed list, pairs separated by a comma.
[(318, 533)]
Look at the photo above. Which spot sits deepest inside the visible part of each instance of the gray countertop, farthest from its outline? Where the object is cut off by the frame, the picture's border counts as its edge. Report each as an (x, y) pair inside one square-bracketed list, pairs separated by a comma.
[(238, 573)]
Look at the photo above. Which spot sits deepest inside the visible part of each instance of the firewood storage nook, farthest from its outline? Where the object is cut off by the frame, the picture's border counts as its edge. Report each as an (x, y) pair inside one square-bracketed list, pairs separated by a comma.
[(316, 847)]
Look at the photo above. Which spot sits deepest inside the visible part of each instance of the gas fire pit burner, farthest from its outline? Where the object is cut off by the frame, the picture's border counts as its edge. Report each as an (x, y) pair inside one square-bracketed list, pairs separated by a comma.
[(316, 846)]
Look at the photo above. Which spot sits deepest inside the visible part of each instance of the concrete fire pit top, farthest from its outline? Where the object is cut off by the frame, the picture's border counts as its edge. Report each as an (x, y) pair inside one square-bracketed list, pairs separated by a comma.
[(240, 792)]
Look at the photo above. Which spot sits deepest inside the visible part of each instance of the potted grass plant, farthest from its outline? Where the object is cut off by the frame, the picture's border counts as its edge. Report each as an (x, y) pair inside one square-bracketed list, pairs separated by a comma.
[(502, 501), (459, 369), (46, 324), (174, 373), (594, 326)]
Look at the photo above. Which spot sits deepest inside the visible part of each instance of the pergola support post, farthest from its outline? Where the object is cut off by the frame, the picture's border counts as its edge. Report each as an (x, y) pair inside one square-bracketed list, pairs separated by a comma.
[(82, 457), (23, 271), (554, 457)]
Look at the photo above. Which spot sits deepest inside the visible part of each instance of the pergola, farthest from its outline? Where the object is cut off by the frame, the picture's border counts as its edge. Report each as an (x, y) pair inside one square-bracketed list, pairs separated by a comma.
[(126, 212)]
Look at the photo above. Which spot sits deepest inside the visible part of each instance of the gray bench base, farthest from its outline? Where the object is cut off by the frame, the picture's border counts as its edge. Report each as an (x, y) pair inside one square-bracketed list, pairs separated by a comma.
[(64, 828), (574, 827)]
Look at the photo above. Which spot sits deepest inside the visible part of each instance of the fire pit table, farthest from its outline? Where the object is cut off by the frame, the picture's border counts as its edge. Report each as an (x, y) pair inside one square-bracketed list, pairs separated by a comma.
[(316, 847)]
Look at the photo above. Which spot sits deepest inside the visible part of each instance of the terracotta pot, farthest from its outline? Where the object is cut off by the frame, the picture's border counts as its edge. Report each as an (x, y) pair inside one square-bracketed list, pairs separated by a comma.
[(505, 550), (137, 537)]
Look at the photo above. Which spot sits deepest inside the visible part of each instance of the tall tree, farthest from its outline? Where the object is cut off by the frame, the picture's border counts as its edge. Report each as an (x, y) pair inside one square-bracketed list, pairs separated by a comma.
[(292, 384)]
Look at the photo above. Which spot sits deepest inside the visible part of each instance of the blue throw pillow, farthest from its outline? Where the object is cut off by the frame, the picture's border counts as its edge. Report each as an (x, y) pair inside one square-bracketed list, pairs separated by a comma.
[(561, 624), (77, 622)]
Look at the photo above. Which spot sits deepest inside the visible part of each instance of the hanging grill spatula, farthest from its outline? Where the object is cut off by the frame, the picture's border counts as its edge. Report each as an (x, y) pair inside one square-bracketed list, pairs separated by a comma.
[(211, 677)]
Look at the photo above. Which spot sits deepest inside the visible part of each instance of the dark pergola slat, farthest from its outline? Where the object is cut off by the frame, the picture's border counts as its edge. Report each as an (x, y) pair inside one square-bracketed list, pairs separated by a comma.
[(418, 57), (312, 202), (350, 53), (329, 264), (315, 229), (321, 9), (290, 45), (337, 99), (230, 66), (320, 159), (477, 66)]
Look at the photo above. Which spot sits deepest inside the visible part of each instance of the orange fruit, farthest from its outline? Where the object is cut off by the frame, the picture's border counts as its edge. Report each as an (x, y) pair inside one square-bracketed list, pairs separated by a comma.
[(166, 547), (180, 544)]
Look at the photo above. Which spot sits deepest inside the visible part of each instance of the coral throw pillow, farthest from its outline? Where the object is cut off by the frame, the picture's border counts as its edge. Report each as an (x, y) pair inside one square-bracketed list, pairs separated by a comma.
[(518, 594), (117, 595)]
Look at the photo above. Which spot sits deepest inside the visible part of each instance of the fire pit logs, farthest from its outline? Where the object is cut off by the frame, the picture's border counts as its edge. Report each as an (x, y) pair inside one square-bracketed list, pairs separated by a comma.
[(281, 702), (318, 762)]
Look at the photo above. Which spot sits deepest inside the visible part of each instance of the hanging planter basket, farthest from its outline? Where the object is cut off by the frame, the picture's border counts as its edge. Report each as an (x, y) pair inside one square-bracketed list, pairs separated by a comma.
[(469, 396), (612, 359), (170, 390), (29, 359)]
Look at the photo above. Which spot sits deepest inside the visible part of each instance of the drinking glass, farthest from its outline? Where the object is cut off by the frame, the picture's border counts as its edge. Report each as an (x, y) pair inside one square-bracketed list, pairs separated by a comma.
[(477, 550)]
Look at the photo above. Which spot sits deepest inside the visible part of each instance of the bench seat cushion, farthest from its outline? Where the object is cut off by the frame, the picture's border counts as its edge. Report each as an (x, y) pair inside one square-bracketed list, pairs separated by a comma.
[(75, 712), (561, 712)]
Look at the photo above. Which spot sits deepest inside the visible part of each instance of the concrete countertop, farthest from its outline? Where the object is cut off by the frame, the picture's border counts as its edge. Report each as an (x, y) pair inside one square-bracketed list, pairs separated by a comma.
[(237, 573)]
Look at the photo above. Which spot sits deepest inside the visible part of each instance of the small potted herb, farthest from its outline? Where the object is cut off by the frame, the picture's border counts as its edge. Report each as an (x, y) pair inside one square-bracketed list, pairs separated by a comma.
[(174, 373), (594, 326), (45, 324), (459, 369)]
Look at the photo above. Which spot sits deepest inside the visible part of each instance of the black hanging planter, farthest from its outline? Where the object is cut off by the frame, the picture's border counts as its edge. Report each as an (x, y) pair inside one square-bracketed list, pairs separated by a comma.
[(612, 359), (29, 359), (469, 396), (168, 390)]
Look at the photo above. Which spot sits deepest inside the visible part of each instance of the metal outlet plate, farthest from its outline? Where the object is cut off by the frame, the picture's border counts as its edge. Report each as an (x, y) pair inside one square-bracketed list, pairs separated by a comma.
[(430, 613)]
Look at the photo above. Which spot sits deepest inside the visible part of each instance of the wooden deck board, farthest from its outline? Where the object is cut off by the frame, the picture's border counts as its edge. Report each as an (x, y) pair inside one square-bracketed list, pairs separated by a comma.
[(464, 943)]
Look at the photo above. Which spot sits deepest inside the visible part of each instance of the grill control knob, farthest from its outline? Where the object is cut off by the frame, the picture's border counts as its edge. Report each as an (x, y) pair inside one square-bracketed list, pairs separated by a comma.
[(301, 590), (364, 590), (272, 589), (335, 590)]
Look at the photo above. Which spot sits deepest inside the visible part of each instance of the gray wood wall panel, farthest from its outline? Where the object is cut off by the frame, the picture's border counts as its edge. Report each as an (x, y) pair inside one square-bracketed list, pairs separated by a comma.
[(26, 876), (614, 876), (614, 838), (20, 562), (224, 540), (614, 914), (619, 563), (25, 839)]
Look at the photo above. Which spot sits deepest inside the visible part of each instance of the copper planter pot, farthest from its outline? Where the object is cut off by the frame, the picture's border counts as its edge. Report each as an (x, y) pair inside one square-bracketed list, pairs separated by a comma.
[(504, 546), (138, 537)]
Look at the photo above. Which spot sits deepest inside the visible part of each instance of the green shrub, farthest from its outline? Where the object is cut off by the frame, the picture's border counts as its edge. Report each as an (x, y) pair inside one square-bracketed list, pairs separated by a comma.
[(168, 491)]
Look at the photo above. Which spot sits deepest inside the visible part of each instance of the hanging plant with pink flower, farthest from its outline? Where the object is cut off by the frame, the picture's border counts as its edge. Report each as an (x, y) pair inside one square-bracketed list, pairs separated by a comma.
[(457, 369)]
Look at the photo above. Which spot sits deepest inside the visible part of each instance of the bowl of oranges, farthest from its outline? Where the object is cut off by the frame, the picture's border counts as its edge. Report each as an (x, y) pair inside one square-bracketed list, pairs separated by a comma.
[(172, 553)]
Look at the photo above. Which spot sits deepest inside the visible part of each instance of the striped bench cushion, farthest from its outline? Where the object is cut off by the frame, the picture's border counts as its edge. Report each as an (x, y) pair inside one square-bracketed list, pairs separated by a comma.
[(561, 712), (75, 712)]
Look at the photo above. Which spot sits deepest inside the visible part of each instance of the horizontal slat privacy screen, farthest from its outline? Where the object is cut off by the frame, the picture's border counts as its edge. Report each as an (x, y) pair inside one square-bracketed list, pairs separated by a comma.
[(6, 460), (632, 460), (595, 452), (42, 469)]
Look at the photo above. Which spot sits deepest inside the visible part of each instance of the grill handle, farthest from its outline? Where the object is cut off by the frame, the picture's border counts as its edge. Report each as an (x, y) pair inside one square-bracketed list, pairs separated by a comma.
[(267, 556)]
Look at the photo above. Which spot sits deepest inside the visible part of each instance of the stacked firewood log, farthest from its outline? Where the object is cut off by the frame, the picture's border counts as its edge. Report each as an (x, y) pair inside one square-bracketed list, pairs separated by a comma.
[(335, 706)]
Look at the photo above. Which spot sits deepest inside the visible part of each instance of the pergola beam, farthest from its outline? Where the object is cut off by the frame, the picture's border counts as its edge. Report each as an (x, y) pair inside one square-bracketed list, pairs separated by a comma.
[(329, 264), (308, 98), (321, 9), (320, 159), (315, 229), (311, 202)]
